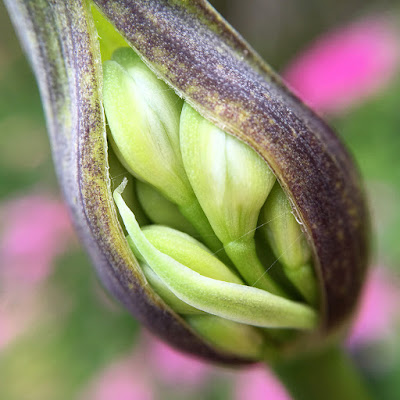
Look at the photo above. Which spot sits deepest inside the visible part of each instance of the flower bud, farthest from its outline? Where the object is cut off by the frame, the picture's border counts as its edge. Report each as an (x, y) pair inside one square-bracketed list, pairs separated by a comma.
[(230, 336), (228, 177), (186, 270), (186, 250), (231, 182), (227, 335), (284, 235), (161, 211), (163, 291), (143, 114)]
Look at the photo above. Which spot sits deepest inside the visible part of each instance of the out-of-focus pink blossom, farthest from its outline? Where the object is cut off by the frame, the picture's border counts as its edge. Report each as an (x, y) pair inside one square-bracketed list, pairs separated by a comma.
[(16, 316), (378, 313), (174, 367), (347, 65), (258, 383), (34, 230), (9, 327), (123, 380)]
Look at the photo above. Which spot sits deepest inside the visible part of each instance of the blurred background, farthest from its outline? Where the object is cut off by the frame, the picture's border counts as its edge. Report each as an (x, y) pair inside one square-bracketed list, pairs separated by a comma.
[(62, 337)]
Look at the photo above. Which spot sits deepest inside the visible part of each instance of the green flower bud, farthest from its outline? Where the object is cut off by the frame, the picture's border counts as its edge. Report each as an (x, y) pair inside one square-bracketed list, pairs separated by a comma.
[(284, 234), (232, 183), (194, 52), (144, 114), (229, 178), (229, 336), (186, 250), (161, 211), (164, 292), (233, 301)]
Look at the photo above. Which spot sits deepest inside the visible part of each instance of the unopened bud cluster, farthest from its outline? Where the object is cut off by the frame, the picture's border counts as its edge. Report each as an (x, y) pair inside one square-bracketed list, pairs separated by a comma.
[(222, 247)]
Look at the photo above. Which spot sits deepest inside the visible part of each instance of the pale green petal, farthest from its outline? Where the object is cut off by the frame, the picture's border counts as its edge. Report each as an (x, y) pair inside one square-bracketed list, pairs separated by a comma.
[(284, 232), (229, 178), (189, 252), (144, 116), (162, 290)]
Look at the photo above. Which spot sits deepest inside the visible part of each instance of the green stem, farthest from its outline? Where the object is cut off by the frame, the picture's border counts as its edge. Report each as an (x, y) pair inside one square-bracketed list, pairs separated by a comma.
[(243, 254), (328, 375)]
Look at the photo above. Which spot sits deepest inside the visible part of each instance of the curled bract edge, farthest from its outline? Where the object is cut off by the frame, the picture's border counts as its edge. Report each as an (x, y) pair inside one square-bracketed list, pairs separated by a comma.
[(190, 47)]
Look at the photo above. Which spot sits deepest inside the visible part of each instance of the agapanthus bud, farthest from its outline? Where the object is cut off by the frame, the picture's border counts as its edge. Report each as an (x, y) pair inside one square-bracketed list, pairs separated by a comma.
[(186, 250), (230, 336), (227, 335), (232, 183), (192, 50), (229, 178), (164, 292), (186, 273), (284, 234), (144, 114), (161, 211)]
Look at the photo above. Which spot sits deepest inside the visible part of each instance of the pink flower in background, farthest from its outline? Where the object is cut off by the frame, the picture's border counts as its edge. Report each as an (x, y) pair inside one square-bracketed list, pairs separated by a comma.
[(347, 65), (378, 313), (152, 366), (258, 383), (123, 380), (10, 326), (174, 367), (34, 230), (16, 316)]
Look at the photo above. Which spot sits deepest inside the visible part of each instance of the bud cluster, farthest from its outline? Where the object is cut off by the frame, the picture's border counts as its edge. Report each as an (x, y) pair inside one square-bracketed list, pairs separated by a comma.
[(224, 249)]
